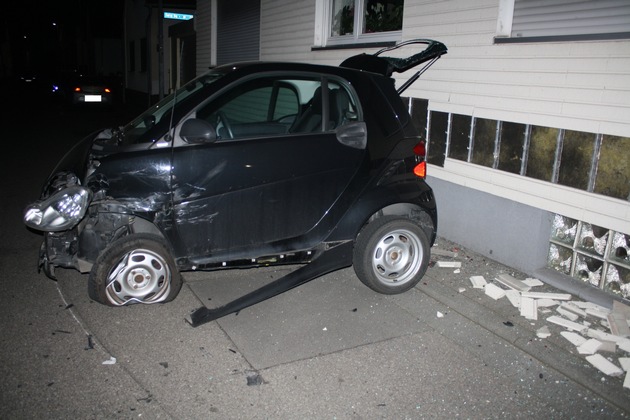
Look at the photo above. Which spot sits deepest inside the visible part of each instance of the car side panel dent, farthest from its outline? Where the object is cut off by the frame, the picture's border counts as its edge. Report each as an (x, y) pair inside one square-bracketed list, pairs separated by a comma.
[(108, 221)]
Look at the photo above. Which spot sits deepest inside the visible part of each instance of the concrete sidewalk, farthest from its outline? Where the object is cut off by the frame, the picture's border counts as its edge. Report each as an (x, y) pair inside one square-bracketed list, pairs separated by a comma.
[(333, 348)]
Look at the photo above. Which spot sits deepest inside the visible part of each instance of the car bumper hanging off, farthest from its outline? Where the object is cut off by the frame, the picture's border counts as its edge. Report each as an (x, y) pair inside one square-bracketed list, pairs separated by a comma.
[(44, 264), (329, 260)]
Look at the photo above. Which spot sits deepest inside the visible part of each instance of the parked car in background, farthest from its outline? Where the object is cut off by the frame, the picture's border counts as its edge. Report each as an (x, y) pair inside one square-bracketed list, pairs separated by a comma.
[(78, 89), (251, 164), (92, 90)]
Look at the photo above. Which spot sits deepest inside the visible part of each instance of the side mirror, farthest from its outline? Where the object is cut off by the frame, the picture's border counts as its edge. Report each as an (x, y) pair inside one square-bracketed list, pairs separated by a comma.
[(196, 131), (353, 134)]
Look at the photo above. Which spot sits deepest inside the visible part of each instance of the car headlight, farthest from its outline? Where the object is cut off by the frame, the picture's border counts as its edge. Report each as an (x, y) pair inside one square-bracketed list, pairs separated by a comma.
[(61, 211)]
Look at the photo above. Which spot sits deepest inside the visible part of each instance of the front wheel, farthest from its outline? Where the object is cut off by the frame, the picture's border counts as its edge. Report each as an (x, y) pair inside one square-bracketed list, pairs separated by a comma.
[(134, 269), (391, 255)]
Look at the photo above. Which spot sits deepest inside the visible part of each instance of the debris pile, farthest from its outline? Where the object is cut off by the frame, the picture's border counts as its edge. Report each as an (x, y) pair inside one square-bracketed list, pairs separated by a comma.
[(593, 329)]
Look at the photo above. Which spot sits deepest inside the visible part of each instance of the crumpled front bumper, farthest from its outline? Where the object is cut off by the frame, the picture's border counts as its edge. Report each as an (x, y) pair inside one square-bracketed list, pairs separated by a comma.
[(44, 263), (58, 249)]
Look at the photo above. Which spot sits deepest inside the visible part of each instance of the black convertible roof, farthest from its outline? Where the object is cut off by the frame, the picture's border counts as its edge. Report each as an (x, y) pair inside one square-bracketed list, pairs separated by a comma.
[(386, 66)]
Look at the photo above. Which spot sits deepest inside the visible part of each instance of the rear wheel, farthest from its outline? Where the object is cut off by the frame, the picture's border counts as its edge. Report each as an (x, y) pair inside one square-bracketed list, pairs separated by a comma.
[(391, 255), (134, 269)]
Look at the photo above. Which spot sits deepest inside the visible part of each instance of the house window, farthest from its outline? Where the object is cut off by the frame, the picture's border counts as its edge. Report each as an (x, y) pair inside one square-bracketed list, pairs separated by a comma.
[(343, 22), (613, 168), (597, 163), (558, 20)]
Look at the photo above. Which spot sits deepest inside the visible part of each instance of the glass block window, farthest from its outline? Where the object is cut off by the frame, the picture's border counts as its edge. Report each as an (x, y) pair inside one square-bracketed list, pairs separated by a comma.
[(591, 254)]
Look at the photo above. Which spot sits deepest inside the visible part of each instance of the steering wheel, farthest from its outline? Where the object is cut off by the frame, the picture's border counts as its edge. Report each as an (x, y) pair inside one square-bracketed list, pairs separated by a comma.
[(222, 118)]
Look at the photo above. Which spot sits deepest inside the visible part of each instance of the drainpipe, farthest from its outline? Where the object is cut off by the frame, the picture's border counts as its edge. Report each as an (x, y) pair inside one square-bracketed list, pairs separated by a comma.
[(160, 20), (148, 57)]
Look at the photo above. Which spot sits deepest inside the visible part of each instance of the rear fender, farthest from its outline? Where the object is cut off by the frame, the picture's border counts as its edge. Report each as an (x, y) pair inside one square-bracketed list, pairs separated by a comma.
[(419, 207)]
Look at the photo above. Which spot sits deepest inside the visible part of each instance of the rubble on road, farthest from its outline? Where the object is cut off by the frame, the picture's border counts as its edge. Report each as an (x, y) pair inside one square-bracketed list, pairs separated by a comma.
[(591, 328)]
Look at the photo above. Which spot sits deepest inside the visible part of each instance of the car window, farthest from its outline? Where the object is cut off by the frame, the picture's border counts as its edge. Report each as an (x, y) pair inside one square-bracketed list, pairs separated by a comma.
[(147, 127), (341, 108), (258, 107), (273, 105)]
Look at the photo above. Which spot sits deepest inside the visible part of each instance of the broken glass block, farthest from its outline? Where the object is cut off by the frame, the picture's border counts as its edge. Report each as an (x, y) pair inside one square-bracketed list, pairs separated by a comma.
[(592, 239), (620, 249), (563, 229), (618, 281), (588, 269), (559, 258)]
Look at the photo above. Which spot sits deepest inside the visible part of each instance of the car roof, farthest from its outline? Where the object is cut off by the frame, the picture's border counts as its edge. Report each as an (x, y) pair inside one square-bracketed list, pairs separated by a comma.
[(374, 65), (257, 66)]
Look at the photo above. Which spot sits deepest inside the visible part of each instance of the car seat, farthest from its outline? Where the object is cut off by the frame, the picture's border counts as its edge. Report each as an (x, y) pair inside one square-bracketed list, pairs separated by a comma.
[(311, 120)]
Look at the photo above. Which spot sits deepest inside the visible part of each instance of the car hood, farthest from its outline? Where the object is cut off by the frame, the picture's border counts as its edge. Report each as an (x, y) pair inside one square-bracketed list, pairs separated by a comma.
[(77, 163)]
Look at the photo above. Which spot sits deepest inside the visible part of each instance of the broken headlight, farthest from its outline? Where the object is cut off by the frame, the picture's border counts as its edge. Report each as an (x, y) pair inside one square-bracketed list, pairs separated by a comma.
[(61, 211)]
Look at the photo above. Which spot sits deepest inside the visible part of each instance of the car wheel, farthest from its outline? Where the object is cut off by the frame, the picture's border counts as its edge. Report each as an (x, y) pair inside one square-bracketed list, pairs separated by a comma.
[(134, 269), (391, 255)]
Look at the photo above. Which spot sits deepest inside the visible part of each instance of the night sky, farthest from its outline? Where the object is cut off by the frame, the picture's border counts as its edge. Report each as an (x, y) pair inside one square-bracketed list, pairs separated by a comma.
[(53, 36)]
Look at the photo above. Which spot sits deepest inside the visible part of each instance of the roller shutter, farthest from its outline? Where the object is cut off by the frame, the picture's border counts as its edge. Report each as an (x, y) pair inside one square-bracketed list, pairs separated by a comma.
[(238, 31), (544, 18)]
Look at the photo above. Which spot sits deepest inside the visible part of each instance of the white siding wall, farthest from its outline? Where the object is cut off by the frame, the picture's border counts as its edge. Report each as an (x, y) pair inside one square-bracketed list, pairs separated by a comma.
[(581, 85), (286, 30), (577, 85)]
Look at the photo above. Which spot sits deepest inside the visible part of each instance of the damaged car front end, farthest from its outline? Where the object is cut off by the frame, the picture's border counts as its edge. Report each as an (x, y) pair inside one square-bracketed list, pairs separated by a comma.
[(249, 165)]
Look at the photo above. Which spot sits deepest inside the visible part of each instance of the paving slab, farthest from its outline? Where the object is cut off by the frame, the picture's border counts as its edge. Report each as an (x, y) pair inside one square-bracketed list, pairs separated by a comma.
[(335, 311), (331, 348)]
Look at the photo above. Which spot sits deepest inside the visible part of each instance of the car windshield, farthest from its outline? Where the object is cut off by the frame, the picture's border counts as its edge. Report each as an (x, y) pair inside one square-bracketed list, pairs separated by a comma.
[(151, 124)]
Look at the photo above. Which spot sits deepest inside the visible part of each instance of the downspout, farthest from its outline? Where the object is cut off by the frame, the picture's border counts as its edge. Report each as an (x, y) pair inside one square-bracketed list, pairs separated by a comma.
[(125, 55), (160, 23), (148, 58)]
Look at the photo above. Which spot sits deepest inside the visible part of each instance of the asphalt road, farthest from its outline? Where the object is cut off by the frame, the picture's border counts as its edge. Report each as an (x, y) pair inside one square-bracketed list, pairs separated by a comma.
[(330, 349)]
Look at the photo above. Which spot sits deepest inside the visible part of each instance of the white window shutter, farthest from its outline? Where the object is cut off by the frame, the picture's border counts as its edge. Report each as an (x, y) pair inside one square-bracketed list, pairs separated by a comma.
[(541, 18)]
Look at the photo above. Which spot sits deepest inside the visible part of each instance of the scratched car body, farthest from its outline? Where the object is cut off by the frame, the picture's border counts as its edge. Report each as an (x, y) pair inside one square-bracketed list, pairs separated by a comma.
[(250, 164)]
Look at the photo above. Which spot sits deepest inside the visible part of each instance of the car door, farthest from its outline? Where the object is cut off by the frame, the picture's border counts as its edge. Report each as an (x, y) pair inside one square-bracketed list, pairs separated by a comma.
[(274, 172)]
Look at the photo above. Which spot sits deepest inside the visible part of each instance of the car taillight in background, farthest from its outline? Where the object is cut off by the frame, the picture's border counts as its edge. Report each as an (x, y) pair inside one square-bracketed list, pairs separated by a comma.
[(420, 150), (105, 90)]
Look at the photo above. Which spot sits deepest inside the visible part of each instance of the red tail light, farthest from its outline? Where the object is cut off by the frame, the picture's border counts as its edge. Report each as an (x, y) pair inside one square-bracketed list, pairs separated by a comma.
[(77, 89), (420, 149), (420, 170)]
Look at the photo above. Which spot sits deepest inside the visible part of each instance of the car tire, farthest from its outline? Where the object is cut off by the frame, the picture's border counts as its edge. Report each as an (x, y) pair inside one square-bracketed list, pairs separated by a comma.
[(391, 255), (136, 268)]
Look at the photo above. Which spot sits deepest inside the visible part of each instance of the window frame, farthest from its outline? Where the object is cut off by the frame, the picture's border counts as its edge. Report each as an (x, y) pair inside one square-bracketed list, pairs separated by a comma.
[(323, 29), (284, 80)]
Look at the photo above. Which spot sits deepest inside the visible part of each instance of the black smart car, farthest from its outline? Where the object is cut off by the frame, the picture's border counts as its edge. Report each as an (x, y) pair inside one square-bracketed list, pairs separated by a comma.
[(250, 164)]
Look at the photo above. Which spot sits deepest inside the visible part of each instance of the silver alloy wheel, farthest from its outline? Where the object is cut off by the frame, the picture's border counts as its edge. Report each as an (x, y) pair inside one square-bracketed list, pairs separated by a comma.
[(141, 276), (397, 257)]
